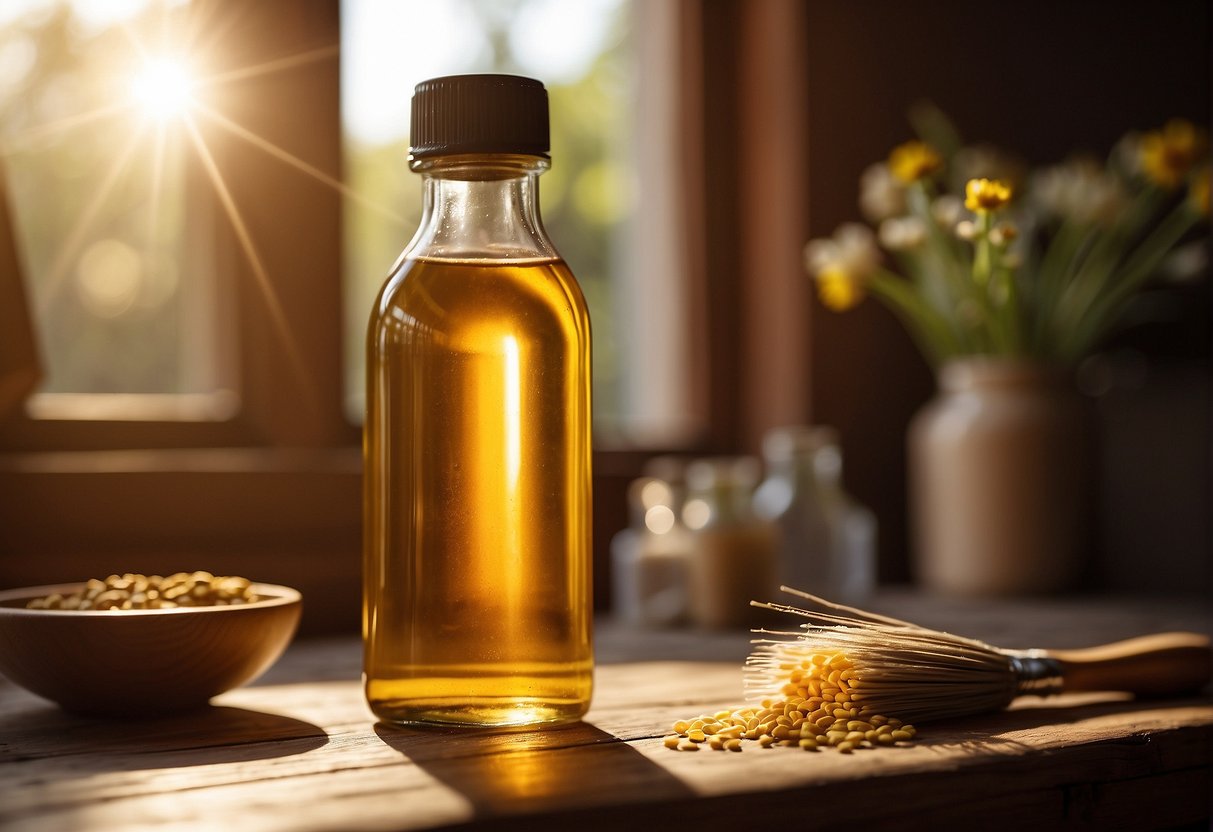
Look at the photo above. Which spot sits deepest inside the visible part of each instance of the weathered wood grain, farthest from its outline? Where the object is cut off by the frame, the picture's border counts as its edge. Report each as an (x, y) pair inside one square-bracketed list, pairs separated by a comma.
[(299, 751)]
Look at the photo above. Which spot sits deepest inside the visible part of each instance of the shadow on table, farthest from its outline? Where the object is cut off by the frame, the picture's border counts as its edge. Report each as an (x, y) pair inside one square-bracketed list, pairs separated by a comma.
[(203, 736), (989, 731), (512, 771)]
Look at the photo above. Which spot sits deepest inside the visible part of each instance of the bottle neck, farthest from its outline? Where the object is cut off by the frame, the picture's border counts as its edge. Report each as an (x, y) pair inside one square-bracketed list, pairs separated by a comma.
[(481, 207)]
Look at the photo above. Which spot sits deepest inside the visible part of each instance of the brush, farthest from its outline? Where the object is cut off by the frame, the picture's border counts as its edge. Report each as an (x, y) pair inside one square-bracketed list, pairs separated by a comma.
[(917, 674)]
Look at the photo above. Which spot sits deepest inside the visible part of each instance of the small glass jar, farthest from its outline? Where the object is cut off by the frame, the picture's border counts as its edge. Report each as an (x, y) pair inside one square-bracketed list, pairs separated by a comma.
[(733, 558), (827, 540), (649, 558)]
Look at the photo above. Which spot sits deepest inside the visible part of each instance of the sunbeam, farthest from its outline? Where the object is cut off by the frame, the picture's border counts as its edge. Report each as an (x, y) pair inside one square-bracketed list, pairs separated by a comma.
[(245, 239), (41, 132), (157, 185), (294, 161), (163, 88), (277, 65)]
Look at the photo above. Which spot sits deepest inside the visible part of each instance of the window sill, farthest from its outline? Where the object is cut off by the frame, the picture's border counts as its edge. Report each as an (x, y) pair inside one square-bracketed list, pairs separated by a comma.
[(279, 515)]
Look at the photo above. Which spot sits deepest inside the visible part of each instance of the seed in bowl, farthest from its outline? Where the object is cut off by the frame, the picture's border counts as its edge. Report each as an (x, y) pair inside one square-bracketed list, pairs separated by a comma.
[(152, 592)]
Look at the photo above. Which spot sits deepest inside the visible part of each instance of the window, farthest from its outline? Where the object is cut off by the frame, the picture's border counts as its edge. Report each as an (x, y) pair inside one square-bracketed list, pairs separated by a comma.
[(121, 289)]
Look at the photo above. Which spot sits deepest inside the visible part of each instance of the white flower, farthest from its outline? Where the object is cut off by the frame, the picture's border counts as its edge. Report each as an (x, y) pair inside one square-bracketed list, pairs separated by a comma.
[(966, 230), (881, 194), (852, 250), (1186, 263), (902, 233), (1078, 190), (948, 210)]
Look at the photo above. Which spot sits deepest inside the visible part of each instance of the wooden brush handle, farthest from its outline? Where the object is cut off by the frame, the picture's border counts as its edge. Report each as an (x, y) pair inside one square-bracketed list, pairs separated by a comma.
[(1166, 664)]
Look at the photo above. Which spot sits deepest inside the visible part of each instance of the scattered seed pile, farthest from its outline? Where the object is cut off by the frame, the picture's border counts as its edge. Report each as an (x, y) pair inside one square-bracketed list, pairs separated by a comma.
[(822, 707), (151, 592)]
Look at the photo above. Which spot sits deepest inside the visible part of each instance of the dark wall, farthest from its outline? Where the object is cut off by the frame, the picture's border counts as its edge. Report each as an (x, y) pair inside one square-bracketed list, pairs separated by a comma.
[(1043, 79)]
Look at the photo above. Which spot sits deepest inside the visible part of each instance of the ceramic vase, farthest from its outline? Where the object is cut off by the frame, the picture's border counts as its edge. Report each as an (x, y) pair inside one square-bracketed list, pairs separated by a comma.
[(999, 480)]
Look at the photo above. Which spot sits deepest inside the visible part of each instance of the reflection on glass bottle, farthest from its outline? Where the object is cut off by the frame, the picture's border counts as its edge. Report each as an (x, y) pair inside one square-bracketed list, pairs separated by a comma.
[(733, 559), (827, 541), (649, 559)]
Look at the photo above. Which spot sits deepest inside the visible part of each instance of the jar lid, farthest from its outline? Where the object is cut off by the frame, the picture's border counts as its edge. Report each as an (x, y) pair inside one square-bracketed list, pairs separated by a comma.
[(479, 114)]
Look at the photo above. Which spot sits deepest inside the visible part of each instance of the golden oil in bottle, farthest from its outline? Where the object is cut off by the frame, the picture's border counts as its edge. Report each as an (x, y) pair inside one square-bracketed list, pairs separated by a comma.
[(477, 457)]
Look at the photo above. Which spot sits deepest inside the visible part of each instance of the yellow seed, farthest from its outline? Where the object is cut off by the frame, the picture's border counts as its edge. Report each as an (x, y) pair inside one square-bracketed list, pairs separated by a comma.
[(722, 715), (896, 723), (716, 743), (808, 744), (710, 728), (846, 747), (780, 732), (682, 726), (765, 740), (732, 745), (870, 736), (854, 736), (687, 745), (835, 737), (859, 725), (696, 735), (901, 736), (671, 741), (885, 739)]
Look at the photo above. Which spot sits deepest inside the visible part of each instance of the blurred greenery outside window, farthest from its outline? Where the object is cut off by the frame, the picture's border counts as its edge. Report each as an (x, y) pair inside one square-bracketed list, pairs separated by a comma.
[(124, 303), (582, 51)]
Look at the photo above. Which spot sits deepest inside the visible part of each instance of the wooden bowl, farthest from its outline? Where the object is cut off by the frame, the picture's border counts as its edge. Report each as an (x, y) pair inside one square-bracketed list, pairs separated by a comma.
[(135, 662)]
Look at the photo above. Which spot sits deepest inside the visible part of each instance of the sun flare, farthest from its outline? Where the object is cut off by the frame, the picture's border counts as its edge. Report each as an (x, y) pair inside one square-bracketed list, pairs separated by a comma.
[(163, 88)]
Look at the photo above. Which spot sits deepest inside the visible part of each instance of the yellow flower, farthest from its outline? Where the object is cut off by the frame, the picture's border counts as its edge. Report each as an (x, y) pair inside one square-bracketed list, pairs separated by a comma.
[(1168, 154), (843, 264), (839, 290), (912, 161), (985, 195), (1199, 191)]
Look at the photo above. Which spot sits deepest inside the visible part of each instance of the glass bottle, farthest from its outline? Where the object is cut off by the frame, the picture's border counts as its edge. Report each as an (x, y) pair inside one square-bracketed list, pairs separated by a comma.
[(649, 558), (827, 540), (477, 574), (790, 498), (852, 527), (733, 554)]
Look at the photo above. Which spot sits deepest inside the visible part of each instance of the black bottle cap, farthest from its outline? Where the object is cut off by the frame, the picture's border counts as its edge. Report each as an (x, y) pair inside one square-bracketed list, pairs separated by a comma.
[(479, 114)]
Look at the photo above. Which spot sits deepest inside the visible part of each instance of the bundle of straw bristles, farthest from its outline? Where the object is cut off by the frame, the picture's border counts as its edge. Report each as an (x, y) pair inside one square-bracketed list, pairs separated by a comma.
[(900, 669)]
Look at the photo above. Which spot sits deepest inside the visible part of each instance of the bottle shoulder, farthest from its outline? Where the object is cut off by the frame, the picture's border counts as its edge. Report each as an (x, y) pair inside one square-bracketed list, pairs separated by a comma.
[(438, 295)]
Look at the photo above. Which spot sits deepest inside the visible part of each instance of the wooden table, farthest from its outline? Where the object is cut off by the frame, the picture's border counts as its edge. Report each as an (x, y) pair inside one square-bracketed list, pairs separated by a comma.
[(299, 751)]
